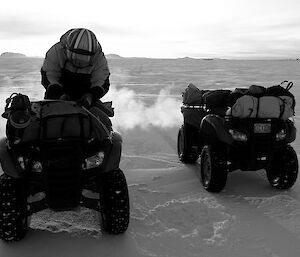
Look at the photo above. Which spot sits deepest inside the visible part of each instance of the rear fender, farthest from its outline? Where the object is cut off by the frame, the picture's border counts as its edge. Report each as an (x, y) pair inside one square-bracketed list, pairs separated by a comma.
[(7, 162), (214, 130)]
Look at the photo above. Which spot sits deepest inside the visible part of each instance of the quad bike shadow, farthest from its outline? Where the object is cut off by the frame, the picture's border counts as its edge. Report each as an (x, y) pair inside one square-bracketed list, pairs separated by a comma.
[(58, 153)]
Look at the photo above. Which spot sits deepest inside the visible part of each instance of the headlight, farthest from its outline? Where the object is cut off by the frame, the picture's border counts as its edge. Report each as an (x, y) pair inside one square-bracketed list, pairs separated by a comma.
[(238, 136), (93, 161), (280, 135), (24, 163)]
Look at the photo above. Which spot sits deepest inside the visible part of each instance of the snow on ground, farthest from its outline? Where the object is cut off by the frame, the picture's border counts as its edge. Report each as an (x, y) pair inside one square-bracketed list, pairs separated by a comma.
[(172, 215)]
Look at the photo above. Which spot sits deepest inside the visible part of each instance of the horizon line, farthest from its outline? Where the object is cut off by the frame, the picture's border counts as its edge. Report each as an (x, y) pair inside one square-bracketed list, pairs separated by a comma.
[(117, 56)]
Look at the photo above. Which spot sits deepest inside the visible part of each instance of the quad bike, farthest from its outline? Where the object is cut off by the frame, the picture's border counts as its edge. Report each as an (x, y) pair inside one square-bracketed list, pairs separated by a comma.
[(58, 155), (226, 143)]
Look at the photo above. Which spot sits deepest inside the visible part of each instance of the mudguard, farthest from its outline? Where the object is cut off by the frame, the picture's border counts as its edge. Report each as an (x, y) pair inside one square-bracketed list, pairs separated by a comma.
[(7, 163), (114, 153), (214, 130)]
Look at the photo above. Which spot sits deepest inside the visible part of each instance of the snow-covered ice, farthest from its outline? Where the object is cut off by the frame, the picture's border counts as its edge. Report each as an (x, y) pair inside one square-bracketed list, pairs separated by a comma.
[(171, 214)]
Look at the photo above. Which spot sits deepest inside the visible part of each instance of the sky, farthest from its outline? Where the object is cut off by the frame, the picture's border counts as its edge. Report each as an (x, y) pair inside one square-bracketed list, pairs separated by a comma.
[(158, 28)]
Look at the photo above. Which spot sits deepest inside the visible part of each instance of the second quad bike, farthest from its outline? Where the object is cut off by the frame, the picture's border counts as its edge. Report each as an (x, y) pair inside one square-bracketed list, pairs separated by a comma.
[(227, 139), (58, 155)]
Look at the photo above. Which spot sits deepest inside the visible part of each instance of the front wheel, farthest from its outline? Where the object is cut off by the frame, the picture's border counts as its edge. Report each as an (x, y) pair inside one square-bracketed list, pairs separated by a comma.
[(213, 169), (283, 170), (186, 153), (13, 210), (114, 200)]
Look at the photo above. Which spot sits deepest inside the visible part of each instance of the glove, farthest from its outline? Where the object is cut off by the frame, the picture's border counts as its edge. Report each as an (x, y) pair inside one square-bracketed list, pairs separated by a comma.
[(54, 91), (86, 100)]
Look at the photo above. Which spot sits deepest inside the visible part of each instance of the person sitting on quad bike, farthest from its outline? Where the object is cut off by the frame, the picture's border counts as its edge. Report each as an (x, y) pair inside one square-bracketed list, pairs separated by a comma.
[(76, 69), (61, 152)]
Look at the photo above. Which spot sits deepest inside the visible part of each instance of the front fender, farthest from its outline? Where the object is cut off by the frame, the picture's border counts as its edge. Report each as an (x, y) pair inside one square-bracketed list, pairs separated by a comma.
[(213, 129), (114, 153), (7, 162)]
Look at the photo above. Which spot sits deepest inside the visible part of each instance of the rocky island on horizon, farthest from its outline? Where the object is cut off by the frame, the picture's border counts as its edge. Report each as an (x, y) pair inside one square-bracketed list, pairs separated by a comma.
[(113, 56), (12, 55)]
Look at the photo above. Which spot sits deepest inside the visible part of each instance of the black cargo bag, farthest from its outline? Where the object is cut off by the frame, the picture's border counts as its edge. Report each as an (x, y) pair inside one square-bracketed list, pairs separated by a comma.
[(216, 98)]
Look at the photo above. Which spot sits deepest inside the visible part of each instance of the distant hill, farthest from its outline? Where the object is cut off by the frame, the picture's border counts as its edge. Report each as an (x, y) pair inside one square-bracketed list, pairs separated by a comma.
[(191, 58), (113, 56), (12, 55), (185, 58)]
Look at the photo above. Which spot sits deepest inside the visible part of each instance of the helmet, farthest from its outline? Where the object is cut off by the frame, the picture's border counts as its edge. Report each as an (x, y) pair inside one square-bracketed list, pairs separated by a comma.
[(81, 45)]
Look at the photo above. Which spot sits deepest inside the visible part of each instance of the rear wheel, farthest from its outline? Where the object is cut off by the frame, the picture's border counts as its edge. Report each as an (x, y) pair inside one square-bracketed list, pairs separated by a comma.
[(186, 152), (213, 169), (283, 171), (13, 210), (114, 200)]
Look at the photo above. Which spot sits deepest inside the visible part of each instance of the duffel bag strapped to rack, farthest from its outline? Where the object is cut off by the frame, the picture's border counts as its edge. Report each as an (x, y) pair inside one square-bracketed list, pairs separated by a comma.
[(249, 106), (17, 113), (216, 98), (282, 92), (275, 102), (52, 120), (67, 119), (192, 95)]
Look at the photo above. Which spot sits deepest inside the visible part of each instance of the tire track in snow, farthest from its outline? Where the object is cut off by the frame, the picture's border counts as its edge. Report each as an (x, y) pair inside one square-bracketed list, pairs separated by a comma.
[(193, 222), (159, 158), (259, 225), (267, 229), (271, 219)]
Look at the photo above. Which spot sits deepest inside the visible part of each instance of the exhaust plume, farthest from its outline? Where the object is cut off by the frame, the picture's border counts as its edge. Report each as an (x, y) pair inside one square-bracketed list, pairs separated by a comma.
[(131, 111)]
